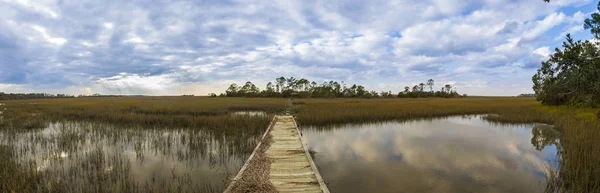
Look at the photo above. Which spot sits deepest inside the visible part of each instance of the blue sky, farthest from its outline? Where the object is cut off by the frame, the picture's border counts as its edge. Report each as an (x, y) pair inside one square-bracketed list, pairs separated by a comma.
[(482, 47)]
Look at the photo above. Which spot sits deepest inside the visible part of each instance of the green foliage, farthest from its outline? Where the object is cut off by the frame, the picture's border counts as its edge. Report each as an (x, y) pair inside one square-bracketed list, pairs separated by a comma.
[(303, 88), (418, 91), (593, 24), (526, 95), (571, 76), (21, 96)]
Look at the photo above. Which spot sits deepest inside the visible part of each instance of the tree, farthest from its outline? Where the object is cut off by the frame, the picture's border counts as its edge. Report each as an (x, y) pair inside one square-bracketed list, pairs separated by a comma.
[(284, 87), (291, 83), (360, 91), (593, 24), (232, 90), (351, 92), (337, 89), (303, 84), (571, 76), (270, 87), (374, 94), (254, 89), (415, 88), (279, 84), (448, 88), (249, 89), (430, 83)]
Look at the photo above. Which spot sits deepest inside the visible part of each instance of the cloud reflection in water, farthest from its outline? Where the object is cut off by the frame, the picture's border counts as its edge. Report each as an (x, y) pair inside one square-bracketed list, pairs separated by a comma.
[(455, 154)]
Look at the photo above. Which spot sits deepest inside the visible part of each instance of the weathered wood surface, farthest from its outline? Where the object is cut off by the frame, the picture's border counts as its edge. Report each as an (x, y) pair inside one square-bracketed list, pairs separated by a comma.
[(292, 168)]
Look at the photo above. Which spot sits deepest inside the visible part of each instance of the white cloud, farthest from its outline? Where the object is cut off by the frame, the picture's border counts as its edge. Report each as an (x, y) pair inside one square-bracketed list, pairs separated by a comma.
[(365, 42), (430, 148), (37, 6), (47, 37), (108, 25), (544, 25), (543, 51), (136, 83), (134, 39)]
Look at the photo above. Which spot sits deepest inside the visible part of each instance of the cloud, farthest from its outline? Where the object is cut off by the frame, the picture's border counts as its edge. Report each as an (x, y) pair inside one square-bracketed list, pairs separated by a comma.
[(452, 153), (46, 37), (58, 46)]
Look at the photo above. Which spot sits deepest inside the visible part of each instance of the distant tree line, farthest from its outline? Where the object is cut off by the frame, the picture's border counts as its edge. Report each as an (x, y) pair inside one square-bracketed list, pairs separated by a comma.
[(571, 76), (427, 90), (22, 96), (526, 95), (102, 95), (303, 88)]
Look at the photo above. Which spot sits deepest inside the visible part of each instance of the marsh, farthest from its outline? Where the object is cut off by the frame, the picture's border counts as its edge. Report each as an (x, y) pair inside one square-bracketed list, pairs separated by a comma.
[(451, 154)]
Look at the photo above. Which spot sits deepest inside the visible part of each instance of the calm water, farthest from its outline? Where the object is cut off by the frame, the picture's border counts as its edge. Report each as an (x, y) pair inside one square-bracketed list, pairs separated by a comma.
[(250, 113), (455, 154), (81, 156)]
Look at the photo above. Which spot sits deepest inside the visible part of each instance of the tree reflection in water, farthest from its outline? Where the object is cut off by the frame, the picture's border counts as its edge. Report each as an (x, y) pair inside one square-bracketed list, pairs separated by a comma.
[(543, 136)]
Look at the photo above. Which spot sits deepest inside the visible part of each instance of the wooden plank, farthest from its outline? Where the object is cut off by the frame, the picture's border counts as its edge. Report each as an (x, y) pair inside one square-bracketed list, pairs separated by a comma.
[(292, 169), (312, 163)]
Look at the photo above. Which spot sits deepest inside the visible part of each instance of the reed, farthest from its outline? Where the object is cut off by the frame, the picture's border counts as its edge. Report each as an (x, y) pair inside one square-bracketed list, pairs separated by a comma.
[(77, 145), (579, 128)]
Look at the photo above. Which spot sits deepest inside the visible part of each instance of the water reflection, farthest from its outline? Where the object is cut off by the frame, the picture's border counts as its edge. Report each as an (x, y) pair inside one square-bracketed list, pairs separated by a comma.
[(83, 157), (544, 136), (249, 113), (455, 154)]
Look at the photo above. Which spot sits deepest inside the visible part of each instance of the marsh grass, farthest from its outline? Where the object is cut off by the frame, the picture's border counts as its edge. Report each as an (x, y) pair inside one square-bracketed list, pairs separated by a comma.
[(88, 157), (579, 168), (193, 112), (105, 144), (256, 176)]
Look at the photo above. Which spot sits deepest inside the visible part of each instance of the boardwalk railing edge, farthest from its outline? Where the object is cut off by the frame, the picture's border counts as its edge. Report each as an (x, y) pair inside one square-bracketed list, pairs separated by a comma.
[(312, 163), (243, 169)]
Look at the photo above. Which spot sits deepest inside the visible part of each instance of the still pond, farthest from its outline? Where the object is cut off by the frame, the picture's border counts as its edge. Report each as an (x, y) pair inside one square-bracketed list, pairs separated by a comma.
[(453, 154)]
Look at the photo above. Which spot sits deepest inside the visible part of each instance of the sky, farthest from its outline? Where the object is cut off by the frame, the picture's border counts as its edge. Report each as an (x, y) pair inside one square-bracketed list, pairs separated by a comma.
[(481, 47)]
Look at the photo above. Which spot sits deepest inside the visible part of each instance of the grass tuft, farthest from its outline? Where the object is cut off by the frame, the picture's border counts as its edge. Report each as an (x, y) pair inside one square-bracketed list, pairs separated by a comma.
[(579, 167)]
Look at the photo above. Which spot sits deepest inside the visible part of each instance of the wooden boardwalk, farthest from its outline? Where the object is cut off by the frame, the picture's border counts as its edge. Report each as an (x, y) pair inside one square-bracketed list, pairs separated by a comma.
[(292, 168)]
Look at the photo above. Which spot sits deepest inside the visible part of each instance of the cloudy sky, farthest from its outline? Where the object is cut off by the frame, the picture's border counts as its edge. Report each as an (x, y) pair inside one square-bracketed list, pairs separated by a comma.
[(483, 47)]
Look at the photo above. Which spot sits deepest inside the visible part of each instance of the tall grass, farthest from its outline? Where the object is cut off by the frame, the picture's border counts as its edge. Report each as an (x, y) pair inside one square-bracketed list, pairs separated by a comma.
[(580, 129), (579, 169), (94, 132), (187, 112)]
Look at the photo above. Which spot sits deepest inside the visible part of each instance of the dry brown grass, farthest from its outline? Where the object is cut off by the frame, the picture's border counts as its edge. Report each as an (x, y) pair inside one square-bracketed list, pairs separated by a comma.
[(255, 178), (580, 129), (181, 112), (237, 135)]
